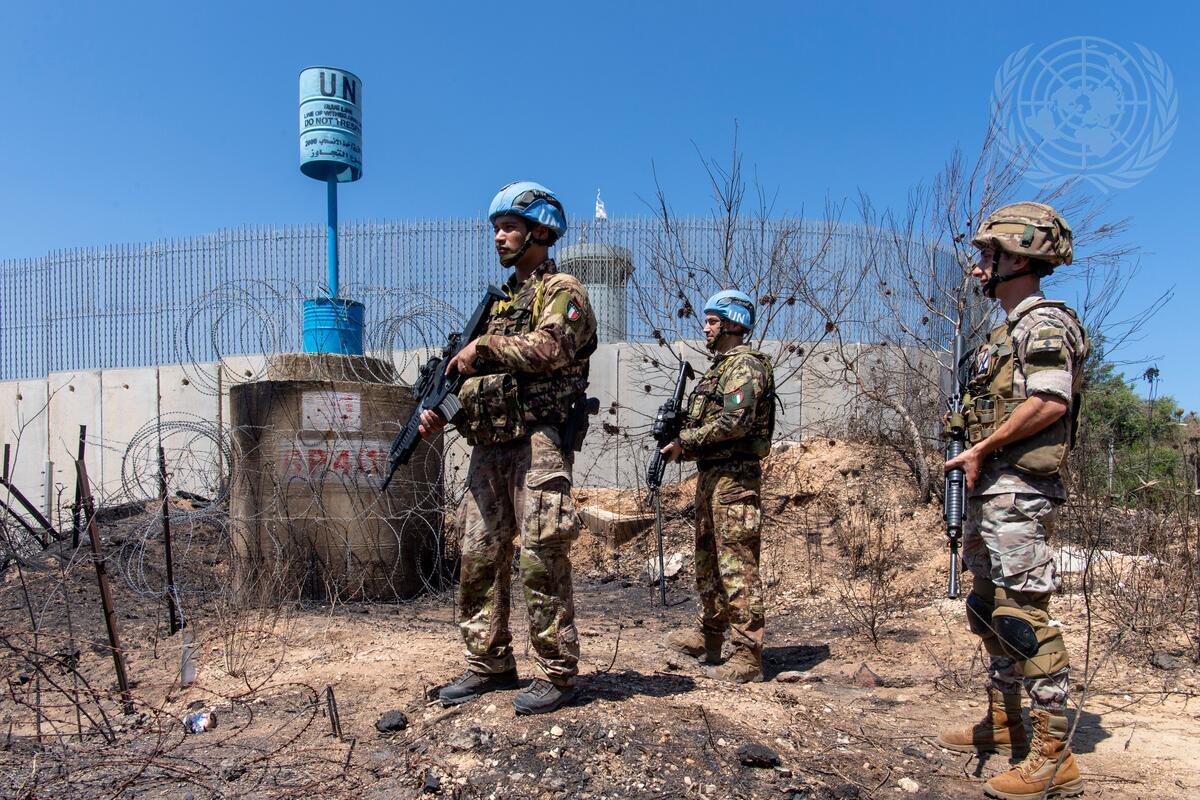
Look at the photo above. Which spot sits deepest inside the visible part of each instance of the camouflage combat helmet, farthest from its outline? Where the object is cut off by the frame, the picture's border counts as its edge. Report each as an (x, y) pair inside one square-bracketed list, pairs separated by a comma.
[(1027, 229)]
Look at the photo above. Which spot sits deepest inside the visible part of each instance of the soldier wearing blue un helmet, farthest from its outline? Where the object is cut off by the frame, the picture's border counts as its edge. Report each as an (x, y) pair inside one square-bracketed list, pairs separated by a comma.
[(536, 205), (730, 421), (528, 377), (732, 306)]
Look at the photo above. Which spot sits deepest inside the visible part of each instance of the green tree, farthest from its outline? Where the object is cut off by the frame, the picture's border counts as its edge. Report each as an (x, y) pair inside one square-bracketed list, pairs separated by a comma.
[(1127, 443)]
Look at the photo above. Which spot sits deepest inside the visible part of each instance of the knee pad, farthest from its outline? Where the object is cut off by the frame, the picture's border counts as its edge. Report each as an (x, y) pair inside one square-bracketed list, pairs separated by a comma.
[(1026, 635), (1017, 630), (979, 615)]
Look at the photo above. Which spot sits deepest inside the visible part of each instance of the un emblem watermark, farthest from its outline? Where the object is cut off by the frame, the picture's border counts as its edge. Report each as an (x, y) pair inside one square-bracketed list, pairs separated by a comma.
[(1086, 108)]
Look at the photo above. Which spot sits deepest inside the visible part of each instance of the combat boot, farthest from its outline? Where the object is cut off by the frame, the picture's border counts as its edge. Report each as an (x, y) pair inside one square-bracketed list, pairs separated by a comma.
[(542, 697), (471, 684), (744, 666), (1048, 771), (697, 644), (1000, 730)]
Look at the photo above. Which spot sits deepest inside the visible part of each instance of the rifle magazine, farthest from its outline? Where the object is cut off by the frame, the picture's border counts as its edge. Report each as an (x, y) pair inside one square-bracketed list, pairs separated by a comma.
[(450, 408)]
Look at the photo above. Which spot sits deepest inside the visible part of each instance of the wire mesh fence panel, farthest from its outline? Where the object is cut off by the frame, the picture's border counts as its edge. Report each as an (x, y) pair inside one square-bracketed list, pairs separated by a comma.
[(239, 291)]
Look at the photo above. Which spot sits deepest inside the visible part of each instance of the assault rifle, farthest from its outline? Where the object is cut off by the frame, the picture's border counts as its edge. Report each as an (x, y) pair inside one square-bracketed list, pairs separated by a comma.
[(436, 390), (668, 422), (953, 497)]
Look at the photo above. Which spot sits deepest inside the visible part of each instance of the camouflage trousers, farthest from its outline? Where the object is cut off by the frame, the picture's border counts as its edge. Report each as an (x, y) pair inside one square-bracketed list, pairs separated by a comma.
[(728, 519), (519, 488), (1005, 545)]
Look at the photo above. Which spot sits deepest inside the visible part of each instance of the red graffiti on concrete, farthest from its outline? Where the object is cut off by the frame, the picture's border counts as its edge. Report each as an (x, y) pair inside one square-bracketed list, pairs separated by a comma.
[(347, 460)]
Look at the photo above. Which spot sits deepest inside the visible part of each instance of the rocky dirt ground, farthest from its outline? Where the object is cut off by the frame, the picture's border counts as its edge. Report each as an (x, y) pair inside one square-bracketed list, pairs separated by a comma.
[(839, 716)]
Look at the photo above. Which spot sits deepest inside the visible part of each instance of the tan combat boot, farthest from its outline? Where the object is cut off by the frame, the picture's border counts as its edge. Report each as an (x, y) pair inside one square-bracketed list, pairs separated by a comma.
[(1048, 771), (697, 644), (744, 666), (1000, 730)]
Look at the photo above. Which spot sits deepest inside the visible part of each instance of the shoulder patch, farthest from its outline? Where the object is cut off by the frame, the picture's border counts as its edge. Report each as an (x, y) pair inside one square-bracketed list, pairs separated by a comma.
[(1045, 339), (1047, 348), (564, 299), (741, 397)]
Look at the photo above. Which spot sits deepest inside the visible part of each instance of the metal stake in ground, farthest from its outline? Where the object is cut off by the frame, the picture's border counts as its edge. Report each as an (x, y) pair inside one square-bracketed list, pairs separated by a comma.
[(75, 510), (110, 615), (32, 510), (335, 719), (172, 610), (658, 532)]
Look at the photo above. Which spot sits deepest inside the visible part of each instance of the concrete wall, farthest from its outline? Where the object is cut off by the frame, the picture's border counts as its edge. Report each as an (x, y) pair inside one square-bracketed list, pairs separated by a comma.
[(40, 419), (24, 428)]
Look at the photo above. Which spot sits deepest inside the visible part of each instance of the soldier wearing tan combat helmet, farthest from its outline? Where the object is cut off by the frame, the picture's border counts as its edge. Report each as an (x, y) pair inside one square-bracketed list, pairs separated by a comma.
[(1021, 405)]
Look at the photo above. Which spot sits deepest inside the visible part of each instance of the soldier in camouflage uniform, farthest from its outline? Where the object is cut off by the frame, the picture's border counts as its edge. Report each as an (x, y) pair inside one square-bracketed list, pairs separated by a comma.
[(527, 373), (730, 420), (1020, 407)]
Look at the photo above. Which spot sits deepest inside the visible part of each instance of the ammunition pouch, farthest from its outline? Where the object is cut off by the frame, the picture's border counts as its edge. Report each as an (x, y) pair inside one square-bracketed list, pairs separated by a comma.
[(491, 410), (1041, 454), (993, 395)]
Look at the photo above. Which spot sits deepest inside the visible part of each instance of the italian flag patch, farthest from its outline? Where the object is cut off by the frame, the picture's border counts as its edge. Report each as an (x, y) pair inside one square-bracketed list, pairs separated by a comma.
[(573, 312), (739, 398)]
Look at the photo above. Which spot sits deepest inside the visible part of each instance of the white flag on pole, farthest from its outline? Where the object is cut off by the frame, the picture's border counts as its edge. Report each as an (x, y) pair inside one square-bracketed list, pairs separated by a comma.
[(600, 212)]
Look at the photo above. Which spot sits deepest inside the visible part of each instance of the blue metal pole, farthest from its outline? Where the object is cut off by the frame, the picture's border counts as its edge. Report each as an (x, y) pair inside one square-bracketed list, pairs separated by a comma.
[(331, 183)]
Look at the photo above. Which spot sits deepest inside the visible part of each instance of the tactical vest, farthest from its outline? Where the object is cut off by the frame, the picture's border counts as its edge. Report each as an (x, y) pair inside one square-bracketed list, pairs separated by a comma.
[(707, 402), (993, 393), (543, 397)]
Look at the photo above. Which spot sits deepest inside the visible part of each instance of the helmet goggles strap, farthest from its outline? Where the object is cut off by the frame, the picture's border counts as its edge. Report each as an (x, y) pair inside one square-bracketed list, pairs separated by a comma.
[(517, 256), (989, 287)]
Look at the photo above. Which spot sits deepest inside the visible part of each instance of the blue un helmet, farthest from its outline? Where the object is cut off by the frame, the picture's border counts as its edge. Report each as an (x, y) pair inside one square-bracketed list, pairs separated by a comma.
[(732, 305), (533, 202)]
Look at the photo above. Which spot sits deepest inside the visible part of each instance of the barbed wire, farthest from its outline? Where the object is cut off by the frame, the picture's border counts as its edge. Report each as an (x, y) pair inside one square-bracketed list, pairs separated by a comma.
[(233, 320)]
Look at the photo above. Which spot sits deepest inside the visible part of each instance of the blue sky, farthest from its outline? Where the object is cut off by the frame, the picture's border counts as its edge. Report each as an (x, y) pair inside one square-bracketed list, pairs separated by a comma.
[(134, 121)]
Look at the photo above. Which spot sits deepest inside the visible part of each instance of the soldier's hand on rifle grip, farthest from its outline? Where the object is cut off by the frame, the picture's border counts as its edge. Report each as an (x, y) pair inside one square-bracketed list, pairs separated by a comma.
[(672, 451), (431, 423), (970, 462), (464, 360)]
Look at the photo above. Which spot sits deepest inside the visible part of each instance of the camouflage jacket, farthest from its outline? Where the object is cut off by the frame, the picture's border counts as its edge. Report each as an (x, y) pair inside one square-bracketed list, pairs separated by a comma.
[(1038, 349), (542, 335), (731, 412)]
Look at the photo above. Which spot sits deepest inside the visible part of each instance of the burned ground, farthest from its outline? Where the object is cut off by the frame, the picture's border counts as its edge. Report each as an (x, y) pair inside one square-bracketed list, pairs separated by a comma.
[(865, 660)]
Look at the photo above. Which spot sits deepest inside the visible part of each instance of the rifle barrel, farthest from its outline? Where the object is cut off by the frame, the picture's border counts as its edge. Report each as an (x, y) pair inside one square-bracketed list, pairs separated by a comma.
[(954, 498), (953, 590)]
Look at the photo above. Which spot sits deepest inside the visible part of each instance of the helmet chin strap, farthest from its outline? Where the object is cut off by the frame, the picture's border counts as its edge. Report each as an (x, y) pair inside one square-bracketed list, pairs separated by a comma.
[(989, 287), (511, 260), (712, 346)]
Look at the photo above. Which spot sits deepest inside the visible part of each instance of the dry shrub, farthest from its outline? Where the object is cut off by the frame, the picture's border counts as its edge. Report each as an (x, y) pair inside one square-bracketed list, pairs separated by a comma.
[(1136, 564), (870, 591)]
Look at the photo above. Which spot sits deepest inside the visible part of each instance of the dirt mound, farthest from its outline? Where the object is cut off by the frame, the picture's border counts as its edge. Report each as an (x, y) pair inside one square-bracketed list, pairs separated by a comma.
[(818, 487)]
